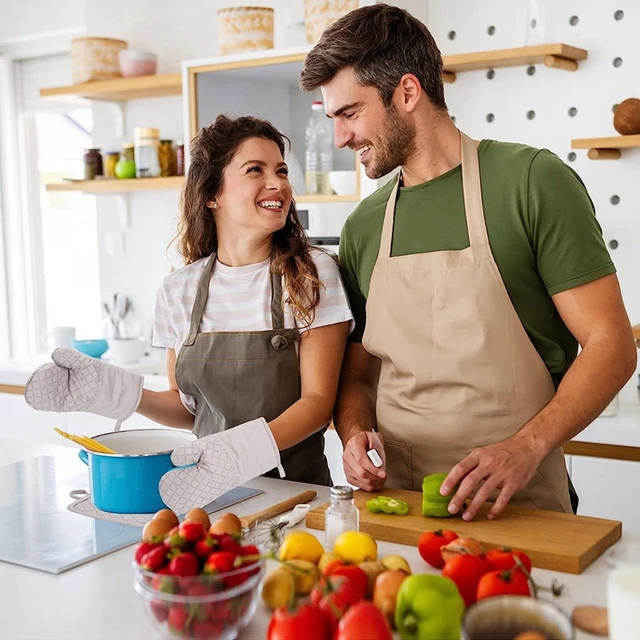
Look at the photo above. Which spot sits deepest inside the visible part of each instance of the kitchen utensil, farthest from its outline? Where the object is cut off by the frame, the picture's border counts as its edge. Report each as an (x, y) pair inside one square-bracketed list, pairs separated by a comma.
[(127, 481), (591, 619), (84, 441), (540, 534), (266, 532)]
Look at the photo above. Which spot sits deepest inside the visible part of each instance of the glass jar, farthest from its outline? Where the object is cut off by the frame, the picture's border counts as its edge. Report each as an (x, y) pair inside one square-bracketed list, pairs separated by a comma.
[(127, 152), (146, 141), (166, 158), (110, 160), (92, 164), (342, 515), (179, 159)]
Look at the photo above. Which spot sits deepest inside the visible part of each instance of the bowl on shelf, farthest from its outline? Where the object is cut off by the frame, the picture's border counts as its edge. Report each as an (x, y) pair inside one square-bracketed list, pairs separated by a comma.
[(93, 348), (343, 183), (217, 605), (134, 63)]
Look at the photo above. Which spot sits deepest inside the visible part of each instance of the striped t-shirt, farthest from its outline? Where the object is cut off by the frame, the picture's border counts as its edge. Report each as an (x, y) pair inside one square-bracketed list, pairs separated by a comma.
[(239, 300)]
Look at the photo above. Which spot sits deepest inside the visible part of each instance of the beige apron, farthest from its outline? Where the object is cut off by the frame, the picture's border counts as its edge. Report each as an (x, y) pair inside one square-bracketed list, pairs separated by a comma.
[(237, 376), (458, 370)]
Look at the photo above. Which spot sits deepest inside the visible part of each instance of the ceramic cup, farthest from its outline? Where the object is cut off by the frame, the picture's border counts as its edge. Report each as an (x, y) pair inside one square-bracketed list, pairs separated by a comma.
[(63, 336), (125, 350)]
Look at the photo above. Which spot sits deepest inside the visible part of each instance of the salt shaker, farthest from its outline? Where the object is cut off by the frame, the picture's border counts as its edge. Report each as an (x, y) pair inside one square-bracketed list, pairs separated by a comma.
[(342, 515)]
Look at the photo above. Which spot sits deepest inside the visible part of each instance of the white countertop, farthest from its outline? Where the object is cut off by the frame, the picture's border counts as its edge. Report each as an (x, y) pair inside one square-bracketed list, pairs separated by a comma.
[(97, 601)]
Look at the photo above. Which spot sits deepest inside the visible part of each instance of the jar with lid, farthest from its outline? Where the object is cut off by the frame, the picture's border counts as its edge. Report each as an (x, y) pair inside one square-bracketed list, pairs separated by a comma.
[(110, 160), (146, 141), (179, 158), (167, 158), (92, 164), (127, 152), (342, 515)]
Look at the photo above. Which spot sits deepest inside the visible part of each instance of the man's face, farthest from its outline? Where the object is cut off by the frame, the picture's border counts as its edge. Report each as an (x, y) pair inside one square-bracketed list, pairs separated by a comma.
[(380, 136)]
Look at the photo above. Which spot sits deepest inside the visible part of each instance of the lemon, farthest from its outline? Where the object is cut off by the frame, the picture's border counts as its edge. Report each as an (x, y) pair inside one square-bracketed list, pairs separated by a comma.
[(279, 589), (355, 547), (396, 562), (305, 575), (301, 545)]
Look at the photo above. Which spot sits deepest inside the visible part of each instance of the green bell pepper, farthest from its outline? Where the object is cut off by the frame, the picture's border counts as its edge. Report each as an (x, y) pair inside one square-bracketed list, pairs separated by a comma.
[(433, 504), (383, 504), (428, 607)]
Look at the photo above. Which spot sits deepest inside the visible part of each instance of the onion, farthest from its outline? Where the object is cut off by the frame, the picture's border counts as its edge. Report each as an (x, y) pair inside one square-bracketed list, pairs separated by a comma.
[(462, 546)]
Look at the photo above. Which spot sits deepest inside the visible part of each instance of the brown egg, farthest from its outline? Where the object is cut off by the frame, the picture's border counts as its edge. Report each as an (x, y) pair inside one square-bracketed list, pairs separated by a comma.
[(530, 635), (168, 515), (155, 530), (199, 515), (228, 523)]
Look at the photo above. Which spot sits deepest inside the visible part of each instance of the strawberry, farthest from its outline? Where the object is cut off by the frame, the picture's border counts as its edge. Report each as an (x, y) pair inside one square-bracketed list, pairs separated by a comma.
[(160, 610), (250, 550), (205, 629), (228, 543), (205, 547), (162, 581), (219, 562), (192, 531), (174, 539), (144, 548), (154, 559), (178, 619), (184, 564)]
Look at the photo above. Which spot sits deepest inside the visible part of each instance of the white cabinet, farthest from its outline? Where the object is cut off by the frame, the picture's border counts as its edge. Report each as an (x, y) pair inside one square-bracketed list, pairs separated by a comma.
[(608, 489)]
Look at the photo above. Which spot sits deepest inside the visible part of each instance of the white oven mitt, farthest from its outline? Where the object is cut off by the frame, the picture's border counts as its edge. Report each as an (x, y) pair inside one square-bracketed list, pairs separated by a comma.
[(217, 463), (76, 382)]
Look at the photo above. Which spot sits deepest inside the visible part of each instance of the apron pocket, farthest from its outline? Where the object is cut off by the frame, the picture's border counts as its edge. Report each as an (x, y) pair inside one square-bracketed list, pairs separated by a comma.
[(399, 465)]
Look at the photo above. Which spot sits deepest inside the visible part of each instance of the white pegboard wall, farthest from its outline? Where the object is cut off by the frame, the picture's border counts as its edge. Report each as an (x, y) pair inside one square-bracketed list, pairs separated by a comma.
[(462, 26)]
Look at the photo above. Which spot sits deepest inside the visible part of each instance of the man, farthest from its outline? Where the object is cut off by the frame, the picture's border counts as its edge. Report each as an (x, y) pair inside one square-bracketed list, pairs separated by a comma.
[(472, 282)]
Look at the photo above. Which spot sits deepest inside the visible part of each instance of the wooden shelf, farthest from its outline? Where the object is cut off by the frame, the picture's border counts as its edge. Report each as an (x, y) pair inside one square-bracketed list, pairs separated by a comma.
[(606, 148), (118, 186), (560, 56), (120, 89)]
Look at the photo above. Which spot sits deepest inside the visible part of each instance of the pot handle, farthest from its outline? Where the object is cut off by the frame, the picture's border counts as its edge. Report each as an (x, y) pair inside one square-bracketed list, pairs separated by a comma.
[(84, 456)]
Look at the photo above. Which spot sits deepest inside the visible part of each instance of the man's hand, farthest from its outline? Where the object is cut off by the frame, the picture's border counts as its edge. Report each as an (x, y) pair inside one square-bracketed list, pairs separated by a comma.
[(507, 466), (358, 468)]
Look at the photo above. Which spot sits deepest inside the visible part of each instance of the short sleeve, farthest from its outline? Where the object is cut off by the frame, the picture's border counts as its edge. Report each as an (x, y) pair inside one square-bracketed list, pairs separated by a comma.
[(334, 304), (567, 239), (349, 270), (164, 332)]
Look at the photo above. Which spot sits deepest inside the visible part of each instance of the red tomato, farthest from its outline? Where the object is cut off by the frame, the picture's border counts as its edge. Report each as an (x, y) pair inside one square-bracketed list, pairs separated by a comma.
[(503, 583), (364, 621), (330, 566), (307, 622), (431, 542), (466, 571), (502, 559), (354, 573), (333, 596)]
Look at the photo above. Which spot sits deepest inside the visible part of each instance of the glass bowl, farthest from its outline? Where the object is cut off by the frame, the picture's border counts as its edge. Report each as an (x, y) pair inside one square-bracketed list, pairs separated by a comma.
[(216, 606)]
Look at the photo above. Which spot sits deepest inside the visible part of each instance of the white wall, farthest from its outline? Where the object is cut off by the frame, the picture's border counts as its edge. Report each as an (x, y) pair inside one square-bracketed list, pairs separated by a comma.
[(30, 18)]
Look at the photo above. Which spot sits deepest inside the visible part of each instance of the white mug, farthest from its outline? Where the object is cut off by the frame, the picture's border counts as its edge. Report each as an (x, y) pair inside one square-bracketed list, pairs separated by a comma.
[(63, 336)]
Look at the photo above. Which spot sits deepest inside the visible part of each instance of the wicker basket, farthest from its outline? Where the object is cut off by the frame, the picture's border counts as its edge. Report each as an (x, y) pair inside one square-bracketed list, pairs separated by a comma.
[(95, 59), (319, 14), (245, 29)]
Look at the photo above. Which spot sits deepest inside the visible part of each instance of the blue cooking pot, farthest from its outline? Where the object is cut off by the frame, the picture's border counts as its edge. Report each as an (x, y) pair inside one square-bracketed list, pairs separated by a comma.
[(127, 481)]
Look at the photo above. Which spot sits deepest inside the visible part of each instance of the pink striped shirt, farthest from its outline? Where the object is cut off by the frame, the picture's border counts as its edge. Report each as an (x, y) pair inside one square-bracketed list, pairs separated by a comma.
[(239, 300)]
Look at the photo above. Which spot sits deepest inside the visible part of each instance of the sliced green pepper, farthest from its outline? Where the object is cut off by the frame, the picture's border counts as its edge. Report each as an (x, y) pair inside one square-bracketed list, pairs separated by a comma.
[(433, 504), (384, 504), (428, 607)]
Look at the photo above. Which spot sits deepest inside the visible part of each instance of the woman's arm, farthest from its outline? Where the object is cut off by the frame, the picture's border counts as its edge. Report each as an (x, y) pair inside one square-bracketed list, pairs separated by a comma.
[(321, 352), (165, 407)]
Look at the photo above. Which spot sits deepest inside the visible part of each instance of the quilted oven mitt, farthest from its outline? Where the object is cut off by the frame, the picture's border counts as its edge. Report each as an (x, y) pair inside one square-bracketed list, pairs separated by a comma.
[(215, 464), (76, 382)]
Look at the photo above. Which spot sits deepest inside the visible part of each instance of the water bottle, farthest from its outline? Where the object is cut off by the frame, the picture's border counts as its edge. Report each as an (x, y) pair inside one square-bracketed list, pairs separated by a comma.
[(319, 151)]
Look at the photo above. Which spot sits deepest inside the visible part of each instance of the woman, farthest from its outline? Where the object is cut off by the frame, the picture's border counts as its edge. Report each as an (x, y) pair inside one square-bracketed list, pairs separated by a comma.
[(255, 326)]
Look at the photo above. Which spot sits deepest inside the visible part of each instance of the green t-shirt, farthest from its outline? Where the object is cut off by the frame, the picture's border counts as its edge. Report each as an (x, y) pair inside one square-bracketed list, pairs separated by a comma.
[(542, 231)]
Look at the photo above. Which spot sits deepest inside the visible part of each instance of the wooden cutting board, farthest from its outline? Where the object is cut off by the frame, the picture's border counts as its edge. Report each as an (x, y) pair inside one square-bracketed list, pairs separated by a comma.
[(556, 541)]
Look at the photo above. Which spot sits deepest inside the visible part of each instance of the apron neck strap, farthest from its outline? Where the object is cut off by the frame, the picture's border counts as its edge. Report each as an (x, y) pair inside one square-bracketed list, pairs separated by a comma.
[(472, 192), (202, 293), (277, 312)]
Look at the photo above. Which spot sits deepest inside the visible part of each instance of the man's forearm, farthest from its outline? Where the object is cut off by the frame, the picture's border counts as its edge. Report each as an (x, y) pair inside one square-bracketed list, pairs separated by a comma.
[(355, 408), (583, 393)]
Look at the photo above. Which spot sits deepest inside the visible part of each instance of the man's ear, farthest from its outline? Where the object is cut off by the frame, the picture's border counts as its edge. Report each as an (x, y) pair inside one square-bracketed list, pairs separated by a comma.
[(410, 90)]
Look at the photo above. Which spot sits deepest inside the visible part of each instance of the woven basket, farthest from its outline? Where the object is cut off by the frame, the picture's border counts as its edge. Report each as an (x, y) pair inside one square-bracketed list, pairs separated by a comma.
[(245, 29), (319, 14), (95, 59)]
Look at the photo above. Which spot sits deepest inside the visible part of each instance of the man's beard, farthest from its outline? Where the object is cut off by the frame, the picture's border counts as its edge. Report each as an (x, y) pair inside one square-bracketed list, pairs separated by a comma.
[(395, 144)]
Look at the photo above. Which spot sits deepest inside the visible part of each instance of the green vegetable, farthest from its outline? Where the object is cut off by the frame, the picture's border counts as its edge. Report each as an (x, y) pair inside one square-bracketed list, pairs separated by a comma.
[(428, 607), (433, 504), (383, 504)]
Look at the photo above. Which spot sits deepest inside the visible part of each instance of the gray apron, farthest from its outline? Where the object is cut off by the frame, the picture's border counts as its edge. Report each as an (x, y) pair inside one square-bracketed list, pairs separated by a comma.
[(237, 376)]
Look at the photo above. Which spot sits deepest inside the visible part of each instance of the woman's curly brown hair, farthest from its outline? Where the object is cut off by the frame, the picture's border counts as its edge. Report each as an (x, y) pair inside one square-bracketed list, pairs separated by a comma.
[(211, 152)]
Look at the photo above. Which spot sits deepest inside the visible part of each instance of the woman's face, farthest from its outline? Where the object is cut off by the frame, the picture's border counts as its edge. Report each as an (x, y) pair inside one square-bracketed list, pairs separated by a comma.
[(256, 193)]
